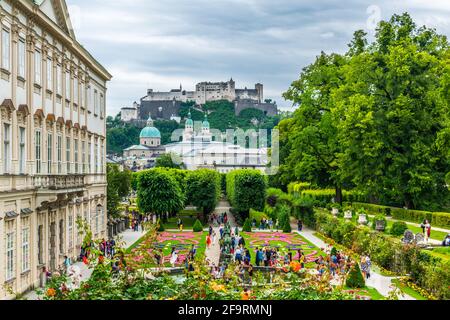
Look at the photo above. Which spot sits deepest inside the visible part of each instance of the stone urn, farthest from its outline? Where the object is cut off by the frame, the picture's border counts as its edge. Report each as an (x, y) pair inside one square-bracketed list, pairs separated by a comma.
[(362, 219), (380, 225), (335, 211), (348, 215)]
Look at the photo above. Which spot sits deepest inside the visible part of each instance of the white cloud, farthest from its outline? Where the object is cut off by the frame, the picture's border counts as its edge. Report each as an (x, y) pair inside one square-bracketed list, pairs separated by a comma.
[(160, 44)]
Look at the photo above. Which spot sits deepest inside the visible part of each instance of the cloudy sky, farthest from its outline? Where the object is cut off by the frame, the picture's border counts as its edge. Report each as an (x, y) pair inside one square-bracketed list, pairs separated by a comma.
[(161, 43)]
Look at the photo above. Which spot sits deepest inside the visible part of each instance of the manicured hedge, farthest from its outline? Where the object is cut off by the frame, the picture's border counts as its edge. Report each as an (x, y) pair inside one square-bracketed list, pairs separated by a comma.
[(438, 219), (257, 215), (246, 189), (324, 196), (427, 271)]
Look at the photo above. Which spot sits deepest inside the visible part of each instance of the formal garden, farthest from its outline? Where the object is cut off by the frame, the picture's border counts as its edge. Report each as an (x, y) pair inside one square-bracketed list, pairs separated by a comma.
[(362, 192)]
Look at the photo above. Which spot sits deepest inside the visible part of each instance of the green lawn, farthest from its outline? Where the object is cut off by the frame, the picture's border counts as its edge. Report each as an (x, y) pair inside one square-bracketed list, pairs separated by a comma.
[(409, 291), (436, 235), (188, 222)]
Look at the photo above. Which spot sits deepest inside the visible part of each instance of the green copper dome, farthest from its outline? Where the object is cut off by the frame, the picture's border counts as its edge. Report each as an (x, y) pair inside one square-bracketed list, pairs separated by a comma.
[(205, 123), (150, 131), (189, 121)]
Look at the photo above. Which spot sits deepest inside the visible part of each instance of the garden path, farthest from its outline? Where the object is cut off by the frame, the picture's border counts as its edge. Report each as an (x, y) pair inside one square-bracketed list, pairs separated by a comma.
[(213, 253), (127, 239), (377, 281)]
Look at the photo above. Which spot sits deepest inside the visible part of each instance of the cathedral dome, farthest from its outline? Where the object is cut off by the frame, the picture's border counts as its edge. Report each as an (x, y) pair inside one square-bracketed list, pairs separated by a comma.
[(150, 131)]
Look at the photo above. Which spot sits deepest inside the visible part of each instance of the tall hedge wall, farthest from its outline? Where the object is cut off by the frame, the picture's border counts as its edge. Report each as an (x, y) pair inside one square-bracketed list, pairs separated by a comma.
[(246, 189)]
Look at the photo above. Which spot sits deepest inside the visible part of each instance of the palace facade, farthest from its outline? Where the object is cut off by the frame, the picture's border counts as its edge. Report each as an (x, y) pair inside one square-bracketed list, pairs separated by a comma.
[(52, 142)]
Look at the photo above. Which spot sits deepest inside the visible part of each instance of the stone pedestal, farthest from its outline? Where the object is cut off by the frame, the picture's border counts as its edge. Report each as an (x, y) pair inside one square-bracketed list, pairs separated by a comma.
[(362, 219)]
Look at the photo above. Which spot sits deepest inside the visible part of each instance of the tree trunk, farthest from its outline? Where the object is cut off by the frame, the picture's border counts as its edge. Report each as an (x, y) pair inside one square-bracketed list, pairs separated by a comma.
[(339, 195)]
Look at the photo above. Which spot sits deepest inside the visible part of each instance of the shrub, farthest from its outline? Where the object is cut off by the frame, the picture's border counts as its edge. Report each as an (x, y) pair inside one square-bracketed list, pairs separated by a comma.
[(246, 189), (247, 226), (333, 251), (198, 227), (355, 278), (258, 216), (161, 226), (284, 219), (398, 228)]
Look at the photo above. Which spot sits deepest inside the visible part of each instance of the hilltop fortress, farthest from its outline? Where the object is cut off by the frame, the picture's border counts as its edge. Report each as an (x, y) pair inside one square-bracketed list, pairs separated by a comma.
[(166, 105)]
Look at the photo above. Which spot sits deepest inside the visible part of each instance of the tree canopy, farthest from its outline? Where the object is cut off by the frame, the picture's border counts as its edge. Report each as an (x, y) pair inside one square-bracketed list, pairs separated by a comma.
[(375, 118)]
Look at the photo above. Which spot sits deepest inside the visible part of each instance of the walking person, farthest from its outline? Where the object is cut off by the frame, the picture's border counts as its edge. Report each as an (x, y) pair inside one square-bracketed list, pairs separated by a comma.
[(67, 263), (300, 225), (208, 241), (427, 230)]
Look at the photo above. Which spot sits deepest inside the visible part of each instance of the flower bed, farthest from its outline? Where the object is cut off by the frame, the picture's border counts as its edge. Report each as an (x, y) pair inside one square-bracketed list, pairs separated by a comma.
[(285, 242), (165, 241)]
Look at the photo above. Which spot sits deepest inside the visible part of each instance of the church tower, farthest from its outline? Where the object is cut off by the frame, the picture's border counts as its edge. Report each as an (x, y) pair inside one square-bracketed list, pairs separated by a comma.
[(188, 128)]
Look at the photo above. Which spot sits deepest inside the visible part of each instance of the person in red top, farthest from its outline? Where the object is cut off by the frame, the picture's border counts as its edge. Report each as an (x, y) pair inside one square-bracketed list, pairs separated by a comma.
[(208, 241)]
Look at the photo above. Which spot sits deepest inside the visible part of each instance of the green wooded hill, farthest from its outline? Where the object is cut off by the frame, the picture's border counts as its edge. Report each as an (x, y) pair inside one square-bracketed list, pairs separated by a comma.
[(220, 116)]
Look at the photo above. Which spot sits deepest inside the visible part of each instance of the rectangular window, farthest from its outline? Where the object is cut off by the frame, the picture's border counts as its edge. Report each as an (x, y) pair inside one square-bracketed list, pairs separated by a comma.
[(40, 244), (22, 155), (89, 157), (83, 155), (75, 146), (25, 249), (37, 67), (59, 153), (38, 151), (61, 236), (67, 86), (68, 154), (101, 105), (75, 90), (6, 50), (49, 74), (59, 80), (21, 58), (95, 102), (96, 156), (10, 256), (102, 164), (6, 148), (83, 94), (49, 152), (70, 230)]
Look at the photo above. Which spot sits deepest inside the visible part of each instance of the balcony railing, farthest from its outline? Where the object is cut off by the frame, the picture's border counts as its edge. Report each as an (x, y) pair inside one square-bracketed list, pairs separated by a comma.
[(59, 182)]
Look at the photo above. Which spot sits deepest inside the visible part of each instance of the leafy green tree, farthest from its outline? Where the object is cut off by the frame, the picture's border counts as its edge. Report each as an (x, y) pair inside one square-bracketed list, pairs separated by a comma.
[(166, 161), (390, 111), (134, 180), (376, 118), (113, 199), (203, 190), (159, 193), (246, 189), (315, 146)]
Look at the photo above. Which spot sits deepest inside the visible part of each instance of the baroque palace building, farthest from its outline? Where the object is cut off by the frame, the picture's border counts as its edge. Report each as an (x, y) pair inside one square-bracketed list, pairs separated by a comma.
[(52, 142)]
